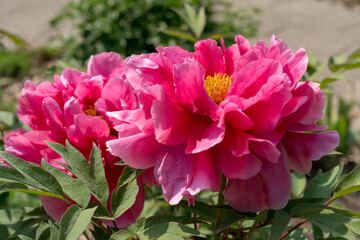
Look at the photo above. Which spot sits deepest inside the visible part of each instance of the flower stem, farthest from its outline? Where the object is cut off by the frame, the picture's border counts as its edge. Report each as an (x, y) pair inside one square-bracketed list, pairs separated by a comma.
[(219, 211), (97, 223), (303, 221)]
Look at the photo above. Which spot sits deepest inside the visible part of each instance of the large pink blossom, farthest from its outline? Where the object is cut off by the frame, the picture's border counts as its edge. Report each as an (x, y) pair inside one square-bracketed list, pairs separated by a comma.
[(74, 108), (240, 111)]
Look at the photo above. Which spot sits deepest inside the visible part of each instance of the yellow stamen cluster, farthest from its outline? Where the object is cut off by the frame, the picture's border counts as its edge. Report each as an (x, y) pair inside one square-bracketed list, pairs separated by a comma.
[(217, 86), (91, 111)]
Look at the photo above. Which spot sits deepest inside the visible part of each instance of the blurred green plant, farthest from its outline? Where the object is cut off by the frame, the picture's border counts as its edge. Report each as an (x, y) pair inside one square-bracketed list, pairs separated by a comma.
[(15, 63), (16, 40), (133, 27)]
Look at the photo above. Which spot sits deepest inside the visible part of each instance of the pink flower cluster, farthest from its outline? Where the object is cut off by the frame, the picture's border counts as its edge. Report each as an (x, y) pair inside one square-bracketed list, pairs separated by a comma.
[(74, 108), (190, 117)]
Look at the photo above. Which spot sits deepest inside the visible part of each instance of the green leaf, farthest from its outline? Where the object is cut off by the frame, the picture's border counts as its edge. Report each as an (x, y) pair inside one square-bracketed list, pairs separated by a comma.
[(355, 56), (298, 183), (9, 186), (4, 233), (72, 187), (42, 230), (123, 198), (54, 230), (230, 217), (317, 232), (354, 226), (322, 185), (327, 220), (281, 220), (34, 175), (92, 176), (122, 235), (333, 78), (344, 66), (74, 222), (14, 38), (350, 180), (127, 175), (7, 118), (11, 216), (11, 174), (19, 187), (101, 211), (23, 237), (149, 229), (346, 191), (179, 33), (205, 211)]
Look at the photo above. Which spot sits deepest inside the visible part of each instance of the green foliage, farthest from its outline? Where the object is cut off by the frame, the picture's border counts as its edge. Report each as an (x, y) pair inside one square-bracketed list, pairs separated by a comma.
[(16, 40), (312, 206), (133, 27), (15, 63)]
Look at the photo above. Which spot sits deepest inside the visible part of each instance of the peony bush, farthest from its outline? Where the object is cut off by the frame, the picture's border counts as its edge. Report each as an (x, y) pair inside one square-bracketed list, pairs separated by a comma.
[(237, 124)]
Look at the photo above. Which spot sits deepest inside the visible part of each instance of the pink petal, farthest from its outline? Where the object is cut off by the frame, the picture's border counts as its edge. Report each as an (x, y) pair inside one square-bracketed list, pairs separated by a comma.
[(297, 65), (30, 104), (206, 136), (243, 167), (26, 144), (243, 44), (205, 174), (190, 89), (137, 151), (269, 189), (236, 117), (71, 108), (89, 90), (118, 95), (302, 148), (246, 195), (86, 130), (107, 64), (209, 55), (248, 82), (54, 118), (174, 172), (234, 158), (54, 207), (311, 111), (172, 125)]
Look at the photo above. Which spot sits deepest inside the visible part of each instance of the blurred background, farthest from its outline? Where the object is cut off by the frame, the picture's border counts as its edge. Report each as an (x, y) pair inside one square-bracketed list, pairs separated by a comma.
[(39, 38)]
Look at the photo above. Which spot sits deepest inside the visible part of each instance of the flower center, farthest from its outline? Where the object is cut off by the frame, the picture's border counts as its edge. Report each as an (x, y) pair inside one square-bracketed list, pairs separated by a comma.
[(217, 86), (91, 111)]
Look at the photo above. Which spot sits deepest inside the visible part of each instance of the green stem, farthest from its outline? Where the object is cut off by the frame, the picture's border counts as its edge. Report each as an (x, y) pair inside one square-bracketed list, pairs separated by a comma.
[(219, 211), (303, 221), (97, 223)]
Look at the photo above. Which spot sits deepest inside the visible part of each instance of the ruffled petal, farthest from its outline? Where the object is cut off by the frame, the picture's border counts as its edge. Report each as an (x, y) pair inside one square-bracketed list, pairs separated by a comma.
[(26, 145), (302, 148), (205, 174), (206, 136), (269, 189), (190, 89), (54, 207), (137, 151), (174, 172), (176, 127), (210, 56), (108, 64)]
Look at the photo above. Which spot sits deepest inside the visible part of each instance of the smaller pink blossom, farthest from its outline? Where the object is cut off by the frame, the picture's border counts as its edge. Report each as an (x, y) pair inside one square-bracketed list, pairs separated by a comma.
[(73, 108)]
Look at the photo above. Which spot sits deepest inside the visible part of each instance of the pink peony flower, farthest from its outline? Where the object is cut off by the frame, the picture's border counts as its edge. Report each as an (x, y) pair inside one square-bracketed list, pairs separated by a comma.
[(240, 111), (73, 108)]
